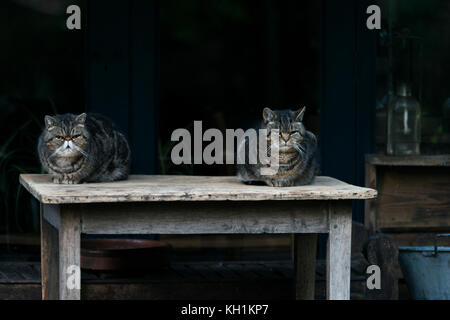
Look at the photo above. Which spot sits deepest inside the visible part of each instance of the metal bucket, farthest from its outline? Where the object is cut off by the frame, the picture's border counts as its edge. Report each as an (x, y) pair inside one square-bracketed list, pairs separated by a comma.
[(427, 270)]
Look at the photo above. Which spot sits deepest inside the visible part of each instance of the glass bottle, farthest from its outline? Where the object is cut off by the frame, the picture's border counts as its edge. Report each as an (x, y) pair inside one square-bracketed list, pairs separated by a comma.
[(404, 122)]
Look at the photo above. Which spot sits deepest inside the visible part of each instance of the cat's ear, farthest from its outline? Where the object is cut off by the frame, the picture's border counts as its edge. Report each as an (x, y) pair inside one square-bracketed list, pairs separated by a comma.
[(81, 119), (50, 122), (268, 115), (299, 114)]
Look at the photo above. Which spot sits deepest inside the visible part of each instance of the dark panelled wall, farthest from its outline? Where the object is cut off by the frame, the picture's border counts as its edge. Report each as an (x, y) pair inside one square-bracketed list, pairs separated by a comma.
[(347, 92), (121, 72)]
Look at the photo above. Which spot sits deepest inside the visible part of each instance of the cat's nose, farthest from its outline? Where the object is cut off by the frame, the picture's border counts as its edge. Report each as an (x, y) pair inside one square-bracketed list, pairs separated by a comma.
[(68, 138), (285, 137)]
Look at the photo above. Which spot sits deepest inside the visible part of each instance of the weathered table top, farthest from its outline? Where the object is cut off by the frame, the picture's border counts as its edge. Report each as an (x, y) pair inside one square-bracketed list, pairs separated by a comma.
[(141, 188)]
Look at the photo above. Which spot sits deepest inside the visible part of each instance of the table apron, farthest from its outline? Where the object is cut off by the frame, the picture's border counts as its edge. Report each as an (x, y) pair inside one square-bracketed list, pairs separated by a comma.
[(225, 217)]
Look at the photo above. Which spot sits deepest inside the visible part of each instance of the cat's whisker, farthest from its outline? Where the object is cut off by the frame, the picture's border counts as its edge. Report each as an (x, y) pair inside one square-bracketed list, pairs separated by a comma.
[(299, 148), (84, 153), (55, 152)]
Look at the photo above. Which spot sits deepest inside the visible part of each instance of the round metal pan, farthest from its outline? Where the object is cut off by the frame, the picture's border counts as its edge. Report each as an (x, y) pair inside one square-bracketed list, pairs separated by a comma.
[(124, 254)]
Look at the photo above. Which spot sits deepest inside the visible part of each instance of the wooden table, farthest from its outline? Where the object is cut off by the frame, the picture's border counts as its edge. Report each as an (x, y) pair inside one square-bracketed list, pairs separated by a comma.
[(195, 205)]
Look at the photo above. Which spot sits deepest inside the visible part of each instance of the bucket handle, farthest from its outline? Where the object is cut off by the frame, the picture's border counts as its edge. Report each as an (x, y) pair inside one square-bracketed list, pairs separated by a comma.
[(436, 237)]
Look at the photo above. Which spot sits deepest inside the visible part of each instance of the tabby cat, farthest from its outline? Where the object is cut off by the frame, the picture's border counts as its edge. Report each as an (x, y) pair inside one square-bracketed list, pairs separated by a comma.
[(83, 148), (297, 151)]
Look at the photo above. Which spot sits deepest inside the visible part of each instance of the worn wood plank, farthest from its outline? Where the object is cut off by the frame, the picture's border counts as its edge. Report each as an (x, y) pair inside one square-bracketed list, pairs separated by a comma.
[(370, 204), (279, 270), (169, 284), (202, 218), (69, 253), (412, 199), (27, 272), (205, 270), (185, 188), (19, 272), (224, 273), (339, 251), (26, 239), (242, 270), (240, 289), (10, 272), (272, 289), (417, 239), (49, 258), (52, 214), (420, 160), (261, 271), (273, 242), (187, 271), (166, 274), (305, 246), (20, 291)]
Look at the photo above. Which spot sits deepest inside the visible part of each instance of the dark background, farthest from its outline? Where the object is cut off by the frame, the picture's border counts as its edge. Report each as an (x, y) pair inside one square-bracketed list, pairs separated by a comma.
[(154, 66)]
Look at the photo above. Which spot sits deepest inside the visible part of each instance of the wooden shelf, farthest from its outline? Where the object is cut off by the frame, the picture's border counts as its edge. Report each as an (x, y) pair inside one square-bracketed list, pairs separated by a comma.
[(420, 160), (413, 193)]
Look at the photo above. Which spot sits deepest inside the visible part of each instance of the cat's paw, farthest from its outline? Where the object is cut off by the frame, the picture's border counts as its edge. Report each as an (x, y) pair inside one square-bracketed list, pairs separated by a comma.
[(280, 183), (70, 181), (57, 180)]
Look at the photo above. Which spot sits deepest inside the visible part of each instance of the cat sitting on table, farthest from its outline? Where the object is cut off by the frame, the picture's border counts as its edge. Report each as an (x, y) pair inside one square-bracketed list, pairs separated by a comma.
[(298, 163), (83, 148)]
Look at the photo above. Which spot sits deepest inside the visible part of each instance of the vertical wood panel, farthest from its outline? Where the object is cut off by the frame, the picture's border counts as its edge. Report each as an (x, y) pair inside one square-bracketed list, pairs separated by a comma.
[(365, 83), (122, 73), (338, 98), (305, 246), (370, 205), (107, 60), (144, 50), (49, 258), (69, 252), (339, 251)]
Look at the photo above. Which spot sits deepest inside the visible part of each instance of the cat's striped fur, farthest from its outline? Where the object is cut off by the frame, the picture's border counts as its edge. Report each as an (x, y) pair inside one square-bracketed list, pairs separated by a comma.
[(83, 148), (297, 151)]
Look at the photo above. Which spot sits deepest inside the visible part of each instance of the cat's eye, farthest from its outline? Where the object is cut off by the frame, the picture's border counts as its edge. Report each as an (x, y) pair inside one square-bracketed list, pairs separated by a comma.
[(76, 136), (60, 137)]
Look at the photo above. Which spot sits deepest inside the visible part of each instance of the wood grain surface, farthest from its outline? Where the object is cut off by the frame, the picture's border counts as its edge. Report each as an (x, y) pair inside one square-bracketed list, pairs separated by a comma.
[(414, 161), (339, 251), (140, 188), (215, 217)]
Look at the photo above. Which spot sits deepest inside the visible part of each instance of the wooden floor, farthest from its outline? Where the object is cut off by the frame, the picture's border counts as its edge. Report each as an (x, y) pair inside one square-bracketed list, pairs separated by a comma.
[(182, 280)]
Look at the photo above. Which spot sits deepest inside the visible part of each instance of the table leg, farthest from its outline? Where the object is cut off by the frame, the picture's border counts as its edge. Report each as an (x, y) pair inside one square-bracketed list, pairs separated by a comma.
[(304, 247), (69, 254), (339, 250), (49, 258)]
